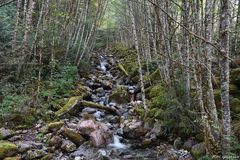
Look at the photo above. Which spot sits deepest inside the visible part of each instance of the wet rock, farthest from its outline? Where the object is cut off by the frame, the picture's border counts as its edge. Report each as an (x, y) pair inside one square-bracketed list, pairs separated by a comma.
[(114, 119), (55, 141), (24, 146), (107, 85), (98, 132), (100, 92), (73, 136), (98, 115), (35, 154), (146, 143), (72, 126), (120, 95), (157, 129), (55, 126), (102, 155), (80, 158), (7, 149), (68, 146), (133, 129), (5, 133), (198, 150), (188, 144)]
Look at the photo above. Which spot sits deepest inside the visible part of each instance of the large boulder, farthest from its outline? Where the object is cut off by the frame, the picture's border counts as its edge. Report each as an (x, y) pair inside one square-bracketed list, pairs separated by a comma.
[(73, 136), (7, 149), (198, 150), (68, 146), (98, 132), (55, 126), (120, 95), (5, 133), (133, 129)]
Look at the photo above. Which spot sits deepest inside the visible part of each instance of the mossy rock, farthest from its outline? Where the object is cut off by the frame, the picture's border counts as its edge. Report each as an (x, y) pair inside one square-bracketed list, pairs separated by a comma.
[(69, 105), (5, 133), (235, 105), (55, 126), (79, 90), (198, 150), (73, 136), (7, 149), (12, 158), (120, 95)]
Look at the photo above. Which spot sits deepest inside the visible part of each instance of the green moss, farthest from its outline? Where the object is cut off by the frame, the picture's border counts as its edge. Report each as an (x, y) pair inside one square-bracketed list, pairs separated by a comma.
[(55, 126), (68, 105), (140, 111), (7, 149), (198, 150), (119, 95), (73, 136), (156, 90), (12, 158)]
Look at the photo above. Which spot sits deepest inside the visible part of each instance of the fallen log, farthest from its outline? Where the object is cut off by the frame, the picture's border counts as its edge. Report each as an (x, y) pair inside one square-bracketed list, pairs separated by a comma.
[(120, 66), (97, 106)]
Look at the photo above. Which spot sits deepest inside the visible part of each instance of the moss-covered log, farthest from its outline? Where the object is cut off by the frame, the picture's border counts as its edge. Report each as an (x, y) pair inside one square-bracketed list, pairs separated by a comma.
[(120, 66), (97, 106)]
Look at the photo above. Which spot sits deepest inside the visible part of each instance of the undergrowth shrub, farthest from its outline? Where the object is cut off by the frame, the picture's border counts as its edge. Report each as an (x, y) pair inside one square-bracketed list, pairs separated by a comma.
[(168, 110)]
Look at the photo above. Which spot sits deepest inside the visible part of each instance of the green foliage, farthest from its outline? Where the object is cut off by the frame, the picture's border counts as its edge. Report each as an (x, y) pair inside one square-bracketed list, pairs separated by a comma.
[(205, 158), (168, 110), (7, 19), (9, 103), (60, 85)]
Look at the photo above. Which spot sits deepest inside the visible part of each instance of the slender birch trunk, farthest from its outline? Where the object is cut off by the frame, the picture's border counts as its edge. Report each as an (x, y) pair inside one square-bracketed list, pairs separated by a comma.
[(224, 63), (138, 56), (16, 25)]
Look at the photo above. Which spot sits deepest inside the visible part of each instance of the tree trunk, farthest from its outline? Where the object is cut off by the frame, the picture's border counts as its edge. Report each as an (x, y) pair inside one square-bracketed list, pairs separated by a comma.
[(224, 44), (138, 56)]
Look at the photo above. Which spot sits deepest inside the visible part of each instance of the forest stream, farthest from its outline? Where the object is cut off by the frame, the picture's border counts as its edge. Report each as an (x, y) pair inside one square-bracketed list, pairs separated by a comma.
[(111, 132)]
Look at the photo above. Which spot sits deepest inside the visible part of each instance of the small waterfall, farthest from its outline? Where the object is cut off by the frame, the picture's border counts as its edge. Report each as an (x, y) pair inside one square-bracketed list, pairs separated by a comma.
[(117, 144), (103, 64)]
